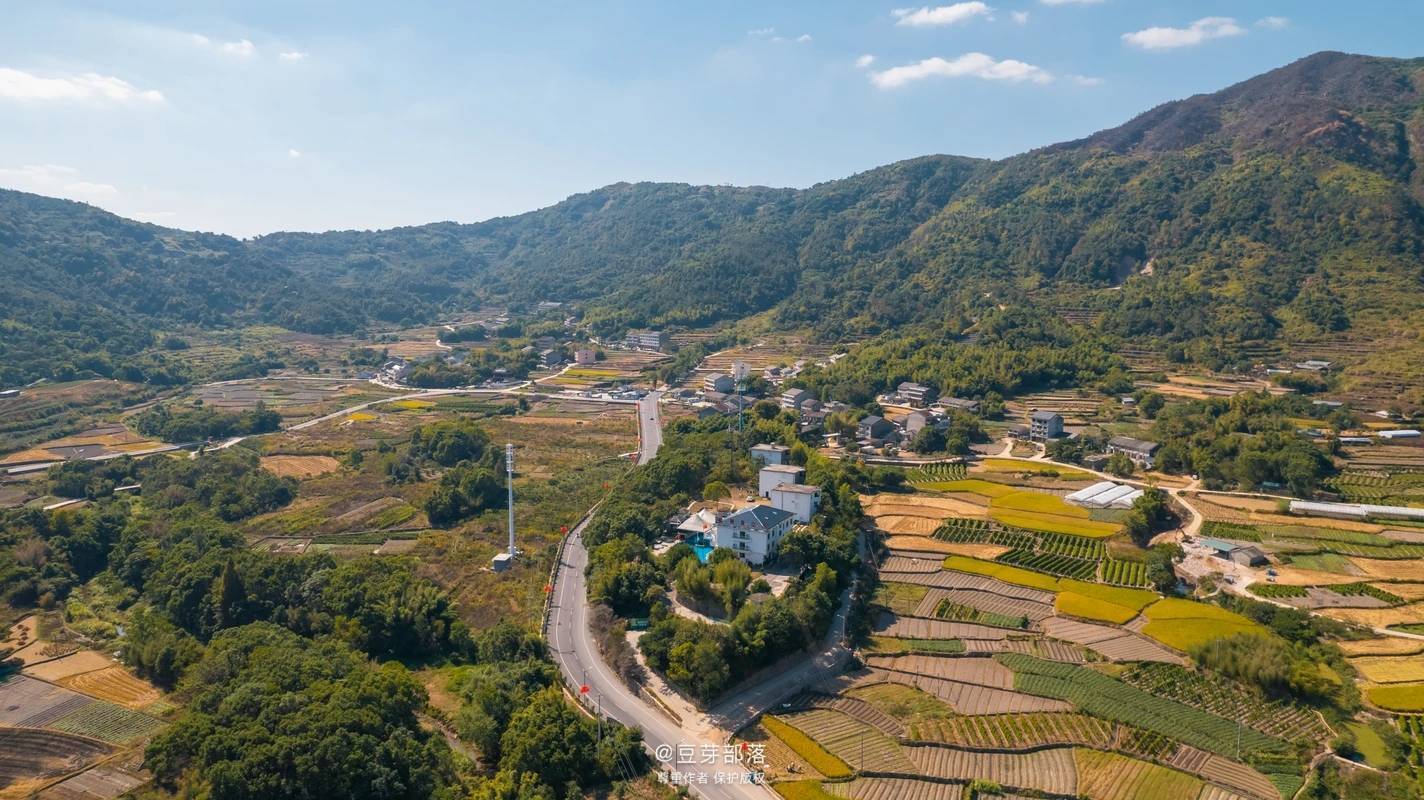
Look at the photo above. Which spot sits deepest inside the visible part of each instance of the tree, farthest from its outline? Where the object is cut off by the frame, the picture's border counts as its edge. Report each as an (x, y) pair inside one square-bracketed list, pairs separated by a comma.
[(1120, 465), (548, 738), (232, 597)]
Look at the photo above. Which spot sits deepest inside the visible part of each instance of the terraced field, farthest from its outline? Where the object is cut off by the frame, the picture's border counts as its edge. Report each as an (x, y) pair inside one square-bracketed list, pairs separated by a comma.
[(1015, 731), (861, 746), (969, 699), (1051, 770), (1227, 699), (1109, 776), (27, 754), (1116, 700), (895, 789)]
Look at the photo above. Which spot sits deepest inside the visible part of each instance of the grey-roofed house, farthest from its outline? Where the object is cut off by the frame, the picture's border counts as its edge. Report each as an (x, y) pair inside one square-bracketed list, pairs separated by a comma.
[(753, 533), (1045, 425), (1142, 452), (874, 428)]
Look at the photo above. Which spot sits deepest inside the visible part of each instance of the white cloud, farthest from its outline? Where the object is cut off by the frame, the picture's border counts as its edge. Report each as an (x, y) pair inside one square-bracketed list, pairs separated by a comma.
[(941, 15), (803, 38), (1200, 31), (88, 87), (55, 180), (292, 55), (242, 48), (1021, 17), (969, 65), (294, 153), (761, 32), (1272, 23), (865, 61)]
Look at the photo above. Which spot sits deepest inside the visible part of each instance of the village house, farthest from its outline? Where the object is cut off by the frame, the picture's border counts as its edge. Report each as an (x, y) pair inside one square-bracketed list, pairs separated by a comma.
[(914, 394), (916, 421), (874, 428), (770, 454), (1244, 554), (646, 340), (753, 533), (1142, 452), (801, 501), (792, 399), (718, 382), (585, 357), (551, 358), (1045, 425), (773, 475), (956, 404)]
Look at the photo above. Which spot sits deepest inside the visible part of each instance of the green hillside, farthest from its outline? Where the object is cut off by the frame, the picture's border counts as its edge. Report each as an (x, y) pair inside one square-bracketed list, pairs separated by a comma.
[(1283, 209)]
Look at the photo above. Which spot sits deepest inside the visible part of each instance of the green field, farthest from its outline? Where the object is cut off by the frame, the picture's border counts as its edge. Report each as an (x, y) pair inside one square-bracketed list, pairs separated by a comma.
[(1406, 697)]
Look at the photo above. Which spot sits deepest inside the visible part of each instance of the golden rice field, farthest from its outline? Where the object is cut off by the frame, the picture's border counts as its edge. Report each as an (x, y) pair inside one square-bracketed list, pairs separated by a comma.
[(1388, 569), (1404, 697), (116, 685), (1390, 669), (1383, 646), (299, 467), (1379, 617)]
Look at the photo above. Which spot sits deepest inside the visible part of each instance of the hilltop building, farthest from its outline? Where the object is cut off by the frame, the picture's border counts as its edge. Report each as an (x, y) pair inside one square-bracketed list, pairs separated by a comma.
[(1045, 425)]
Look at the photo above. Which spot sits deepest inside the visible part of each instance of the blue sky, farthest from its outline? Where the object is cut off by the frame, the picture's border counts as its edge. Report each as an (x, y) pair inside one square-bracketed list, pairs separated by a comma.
[(258, 116)]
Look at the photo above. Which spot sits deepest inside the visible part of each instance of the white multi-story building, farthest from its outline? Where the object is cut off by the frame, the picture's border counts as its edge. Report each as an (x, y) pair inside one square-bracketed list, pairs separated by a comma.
[(585, 357), (754, 533), (718, 382), (767, 454), (774, 475), (801, 501), (645, 340)]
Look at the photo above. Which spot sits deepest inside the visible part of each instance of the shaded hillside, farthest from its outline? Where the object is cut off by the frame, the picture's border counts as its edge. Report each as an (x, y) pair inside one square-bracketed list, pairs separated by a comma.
[(1289, 203)]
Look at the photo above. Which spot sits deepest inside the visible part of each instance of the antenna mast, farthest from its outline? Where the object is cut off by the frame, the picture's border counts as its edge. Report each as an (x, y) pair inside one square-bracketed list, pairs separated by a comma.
[(509, 482)]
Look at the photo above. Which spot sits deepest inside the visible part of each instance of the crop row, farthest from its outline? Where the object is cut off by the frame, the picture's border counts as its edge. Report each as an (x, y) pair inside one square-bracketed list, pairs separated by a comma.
[(1065, 566), (1230, 530), (1125, 573), (931, 473), (1016, 730), (1276, 590), (1225, 698), (962, 613), (1076, 546), (1112, 699), (1358, 589)]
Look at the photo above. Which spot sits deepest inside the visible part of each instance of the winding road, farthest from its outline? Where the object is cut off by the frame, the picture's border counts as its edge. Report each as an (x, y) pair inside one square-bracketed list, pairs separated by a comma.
[(575, 651)]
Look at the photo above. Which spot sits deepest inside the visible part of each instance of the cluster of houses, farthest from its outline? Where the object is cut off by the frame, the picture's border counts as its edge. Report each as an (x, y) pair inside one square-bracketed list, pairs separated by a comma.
[(754, 531)]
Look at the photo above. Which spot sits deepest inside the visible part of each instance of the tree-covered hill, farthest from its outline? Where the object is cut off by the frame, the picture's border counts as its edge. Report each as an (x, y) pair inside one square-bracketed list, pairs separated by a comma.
[(1287, 205)]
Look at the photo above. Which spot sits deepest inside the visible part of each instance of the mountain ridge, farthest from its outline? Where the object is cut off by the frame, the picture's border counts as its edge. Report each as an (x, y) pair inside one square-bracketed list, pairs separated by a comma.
[(1303, 178)]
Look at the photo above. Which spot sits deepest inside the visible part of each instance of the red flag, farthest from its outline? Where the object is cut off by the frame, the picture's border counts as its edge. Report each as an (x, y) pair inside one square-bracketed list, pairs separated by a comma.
[(583, 689), (548, 587)]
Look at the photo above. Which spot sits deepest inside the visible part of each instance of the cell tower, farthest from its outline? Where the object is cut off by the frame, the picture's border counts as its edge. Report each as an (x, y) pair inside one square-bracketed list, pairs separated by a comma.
[(503, 561)]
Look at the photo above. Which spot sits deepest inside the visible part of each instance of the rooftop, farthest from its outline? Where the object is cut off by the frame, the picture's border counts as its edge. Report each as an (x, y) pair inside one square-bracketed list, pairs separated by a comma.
[(759, 516), (795, 470), (1136, 445), (796, 488), (1044, 416)]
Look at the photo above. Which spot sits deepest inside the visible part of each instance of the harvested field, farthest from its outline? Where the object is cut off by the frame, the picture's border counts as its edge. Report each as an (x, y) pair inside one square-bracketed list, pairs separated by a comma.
[(978, 671), (1223, 772), (915, 628), (1389, 569), (1409, 591), (1390, 669), (988, 602), (852, 707), (918, 505), (897, 563), (26, 702), (116, 685), (924, 544), (1115, 644), (29, 754), (299, 467), (1049, 649), (859, 745), (781, 760), (1052, 770), (949, 579), (901, 524), (895, 789), (968, 699), (1109, 776), (1296, 576), (73, 664), (103, 782), (1383, 646), (1011, 731), (1379, 617)]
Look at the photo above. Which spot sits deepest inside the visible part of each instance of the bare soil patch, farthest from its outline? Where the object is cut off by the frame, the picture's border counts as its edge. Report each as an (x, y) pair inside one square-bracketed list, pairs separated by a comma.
[(74, 664), (300, 467)]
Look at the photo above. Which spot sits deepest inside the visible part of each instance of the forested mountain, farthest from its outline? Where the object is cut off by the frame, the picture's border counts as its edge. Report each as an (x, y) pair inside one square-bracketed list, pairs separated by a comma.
[(1289, 202)]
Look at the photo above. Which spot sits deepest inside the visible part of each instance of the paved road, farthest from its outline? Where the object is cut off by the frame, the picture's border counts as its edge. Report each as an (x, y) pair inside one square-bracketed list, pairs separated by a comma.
[(579, 660)]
